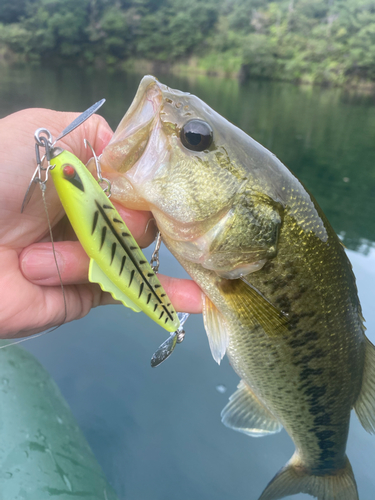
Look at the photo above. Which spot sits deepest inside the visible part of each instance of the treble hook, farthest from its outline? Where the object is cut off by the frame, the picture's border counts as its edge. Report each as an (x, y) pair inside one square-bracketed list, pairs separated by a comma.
[(101, 179)]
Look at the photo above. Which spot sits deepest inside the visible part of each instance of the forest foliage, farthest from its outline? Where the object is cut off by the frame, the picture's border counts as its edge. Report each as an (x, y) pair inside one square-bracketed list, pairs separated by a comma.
[(317, 41)]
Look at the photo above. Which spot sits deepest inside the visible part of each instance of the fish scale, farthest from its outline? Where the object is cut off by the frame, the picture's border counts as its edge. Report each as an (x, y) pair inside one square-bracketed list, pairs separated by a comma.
[(117, 263)]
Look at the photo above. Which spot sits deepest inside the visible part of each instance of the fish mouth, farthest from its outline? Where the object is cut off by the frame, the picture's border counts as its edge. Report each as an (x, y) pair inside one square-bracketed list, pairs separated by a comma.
[(132, 135)]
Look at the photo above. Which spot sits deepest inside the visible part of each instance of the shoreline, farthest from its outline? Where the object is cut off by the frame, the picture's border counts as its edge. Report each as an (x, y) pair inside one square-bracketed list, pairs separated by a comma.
[(192, 67), (189, 67)]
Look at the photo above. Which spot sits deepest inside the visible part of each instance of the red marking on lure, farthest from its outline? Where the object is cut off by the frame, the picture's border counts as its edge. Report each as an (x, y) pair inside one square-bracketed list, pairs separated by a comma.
[(69, 172)]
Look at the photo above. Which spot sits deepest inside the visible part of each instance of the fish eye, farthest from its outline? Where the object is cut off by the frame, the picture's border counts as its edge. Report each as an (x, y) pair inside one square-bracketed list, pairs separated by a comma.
[(196, 135)]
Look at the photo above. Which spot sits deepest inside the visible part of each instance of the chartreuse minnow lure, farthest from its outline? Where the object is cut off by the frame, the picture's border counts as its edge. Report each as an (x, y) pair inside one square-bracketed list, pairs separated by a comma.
[(117, 263)]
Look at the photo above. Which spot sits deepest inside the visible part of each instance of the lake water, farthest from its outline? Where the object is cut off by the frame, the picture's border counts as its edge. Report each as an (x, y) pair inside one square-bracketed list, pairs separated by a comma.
[(157, 432)]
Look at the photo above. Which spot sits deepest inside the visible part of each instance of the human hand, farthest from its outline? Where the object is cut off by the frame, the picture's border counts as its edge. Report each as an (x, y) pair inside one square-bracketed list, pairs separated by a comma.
[(30, 294)]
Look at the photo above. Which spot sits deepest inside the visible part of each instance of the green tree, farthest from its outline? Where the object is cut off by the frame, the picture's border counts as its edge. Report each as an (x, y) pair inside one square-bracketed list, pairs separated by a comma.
[(317, 41), (12, 10)]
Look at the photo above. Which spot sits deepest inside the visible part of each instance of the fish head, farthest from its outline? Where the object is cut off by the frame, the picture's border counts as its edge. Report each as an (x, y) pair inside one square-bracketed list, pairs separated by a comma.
[(148, 147), (216, 194)]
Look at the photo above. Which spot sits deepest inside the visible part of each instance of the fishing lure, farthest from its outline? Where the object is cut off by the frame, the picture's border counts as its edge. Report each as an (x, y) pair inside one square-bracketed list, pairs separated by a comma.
[(117, 263)]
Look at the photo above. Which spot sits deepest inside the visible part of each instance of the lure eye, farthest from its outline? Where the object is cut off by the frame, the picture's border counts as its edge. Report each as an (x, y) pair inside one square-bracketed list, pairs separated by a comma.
[(196, 135), (69, 172)]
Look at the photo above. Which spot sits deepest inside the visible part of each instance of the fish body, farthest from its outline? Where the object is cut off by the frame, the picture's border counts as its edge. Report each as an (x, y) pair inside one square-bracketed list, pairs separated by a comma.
[(280, 295), (117, 263)]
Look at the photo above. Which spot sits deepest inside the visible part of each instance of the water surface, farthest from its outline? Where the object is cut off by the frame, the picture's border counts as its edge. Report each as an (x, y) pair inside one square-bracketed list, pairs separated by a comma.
[(157, 433)]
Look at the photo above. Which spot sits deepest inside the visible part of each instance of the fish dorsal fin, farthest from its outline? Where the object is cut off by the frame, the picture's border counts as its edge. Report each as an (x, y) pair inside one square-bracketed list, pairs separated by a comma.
[(96, 275), (253, 308), (246, 413), (216, 328), (365, 404)]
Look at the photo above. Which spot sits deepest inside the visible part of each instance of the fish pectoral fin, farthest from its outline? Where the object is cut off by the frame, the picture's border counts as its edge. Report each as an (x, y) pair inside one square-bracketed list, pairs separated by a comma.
[(246, 413), (253, 308), (216, 329), (294, 478), (96, 275), (365, 404)]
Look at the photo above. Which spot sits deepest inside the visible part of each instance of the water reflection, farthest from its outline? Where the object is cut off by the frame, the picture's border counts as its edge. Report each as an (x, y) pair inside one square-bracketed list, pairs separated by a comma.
[(157, 433)]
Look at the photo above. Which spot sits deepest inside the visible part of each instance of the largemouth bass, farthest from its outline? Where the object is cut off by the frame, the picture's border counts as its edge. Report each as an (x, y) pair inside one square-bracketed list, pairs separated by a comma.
[(280, 295)]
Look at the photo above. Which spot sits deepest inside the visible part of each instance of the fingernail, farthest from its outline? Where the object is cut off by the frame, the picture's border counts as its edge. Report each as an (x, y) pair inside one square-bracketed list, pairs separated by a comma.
[(39, 264)]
